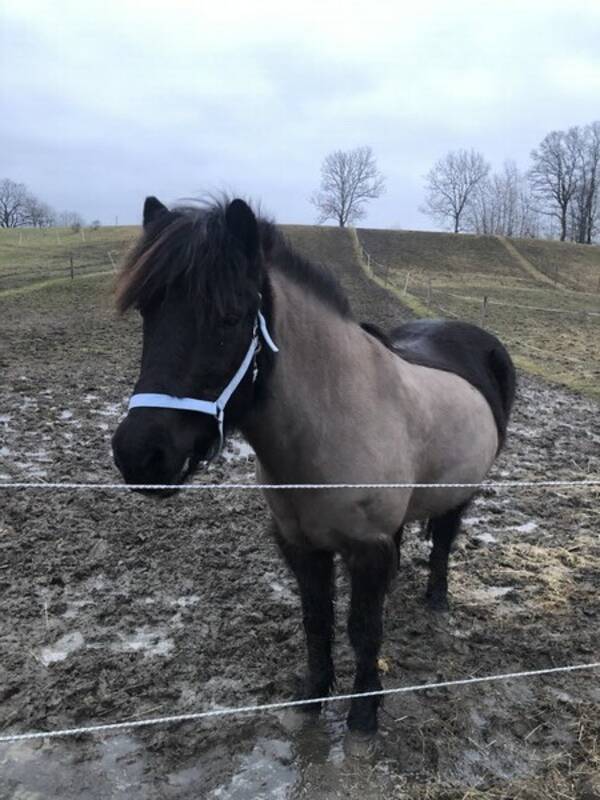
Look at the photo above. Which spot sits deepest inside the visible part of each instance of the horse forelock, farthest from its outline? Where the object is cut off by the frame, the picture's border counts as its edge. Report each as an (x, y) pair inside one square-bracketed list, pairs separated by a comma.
[(192, 245)]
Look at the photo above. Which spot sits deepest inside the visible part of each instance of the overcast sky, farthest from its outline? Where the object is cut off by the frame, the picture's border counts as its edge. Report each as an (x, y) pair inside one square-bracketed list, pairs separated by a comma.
[(104, 102)]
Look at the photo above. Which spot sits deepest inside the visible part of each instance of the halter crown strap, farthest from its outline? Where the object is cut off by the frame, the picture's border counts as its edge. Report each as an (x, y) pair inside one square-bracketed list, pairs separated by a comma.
[(214, 408)]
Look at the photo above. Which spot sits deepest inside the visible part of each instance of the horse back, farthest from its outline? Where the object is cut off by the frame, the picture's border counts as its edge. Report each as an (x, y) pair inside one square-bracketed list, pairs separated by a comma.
[(466, 350)]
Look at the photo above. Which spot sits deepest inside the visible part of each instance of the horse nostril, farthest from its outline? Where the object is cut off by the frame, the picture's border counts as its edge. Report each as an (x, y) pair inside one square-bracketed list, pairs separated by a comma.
[(144, 452)]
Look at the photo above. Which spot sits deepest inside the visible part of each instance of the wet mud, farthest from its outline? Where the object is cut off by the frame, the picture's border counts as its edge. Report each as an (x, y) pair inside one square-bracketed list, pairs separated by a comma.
[(117, 607)]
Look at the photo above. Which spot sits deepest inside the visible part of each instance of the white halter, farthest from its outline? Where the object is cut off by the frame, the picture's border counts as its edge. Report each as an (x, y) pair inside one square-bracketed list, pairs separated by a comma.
[(214, 408)]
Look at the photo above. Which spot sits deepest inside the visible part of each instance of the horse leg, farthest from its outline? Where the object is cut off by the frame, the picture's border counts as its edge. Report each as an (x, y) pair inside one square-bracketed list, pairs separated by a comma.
[(371, 570), (398, 542), (314, 571), (443, 533)]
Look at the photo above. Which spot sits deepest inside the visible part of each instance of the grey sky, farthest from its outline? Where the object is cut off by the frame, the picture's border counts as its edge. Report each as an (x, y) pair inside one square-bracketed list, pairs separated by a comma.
[(104, 102)]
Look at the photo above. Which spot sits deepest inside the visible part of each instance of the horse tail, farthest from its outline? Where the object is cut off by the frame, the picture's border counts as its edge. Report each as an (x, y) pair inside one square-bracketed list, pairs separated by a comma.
[(503, 372)]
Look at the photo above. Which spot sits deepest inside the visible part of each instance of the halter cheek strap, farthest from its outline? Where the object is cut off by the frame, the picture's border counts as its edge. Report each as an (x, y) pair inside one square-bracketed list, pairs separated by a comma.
[(214, 408)]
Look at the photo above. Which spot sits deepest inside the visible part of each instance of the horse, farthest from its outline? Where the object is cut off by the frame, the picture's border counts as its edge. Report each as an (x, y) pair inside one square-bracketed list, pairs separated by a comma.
[(241, 332)]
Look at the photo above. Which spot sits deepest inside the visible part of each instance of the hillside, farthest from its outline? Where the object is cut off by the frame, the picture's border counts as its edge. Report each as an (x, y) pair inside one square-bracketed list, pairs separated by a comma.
[(575, 266), (551, 329), (488, 260), (441, 256), (335, 248), (30, 254)]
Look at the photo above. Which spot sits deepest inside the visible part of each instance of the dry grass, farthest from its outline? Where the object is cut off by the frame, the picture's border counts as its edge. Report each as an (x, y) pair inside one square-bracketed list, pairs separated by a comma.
[(451, 275), (28, 255), (575, 266)]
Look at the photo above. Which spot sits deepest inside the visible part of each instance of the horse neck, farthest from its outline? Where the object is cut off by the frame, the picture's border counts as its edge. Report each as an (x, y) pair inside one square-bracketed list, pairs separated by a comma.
[(317, 355)]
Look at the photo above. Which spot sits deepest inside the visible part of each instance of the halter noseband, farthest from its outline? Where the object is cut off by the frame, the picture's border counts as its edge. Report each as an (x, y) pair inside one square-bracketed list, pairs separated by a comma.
[(214, 408)]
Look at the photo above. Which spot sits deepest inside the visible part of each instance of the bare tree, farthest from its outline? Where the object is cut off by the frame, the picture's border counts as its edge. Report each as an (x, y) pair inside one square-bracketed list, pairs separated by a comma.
[(349, 179), (36, 213), (502, 205), (70, 219), (554, 175), (584, 207), (13, 197), (450, 185)]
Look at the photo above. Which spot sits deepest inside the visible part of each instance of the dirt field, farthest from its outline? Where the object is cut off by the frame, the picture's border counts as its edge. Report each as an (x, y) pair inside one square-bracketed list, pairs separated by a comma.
[(118, 607)]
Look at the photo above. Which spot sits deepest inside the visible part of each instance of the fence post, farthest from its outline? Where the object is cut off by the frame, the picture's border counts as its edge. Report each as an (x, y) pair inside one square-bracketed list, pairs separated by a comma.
[(429, 291), (112, 261), (556, 274), (406, 283), (72, 269), (387, 273), (484, 310)]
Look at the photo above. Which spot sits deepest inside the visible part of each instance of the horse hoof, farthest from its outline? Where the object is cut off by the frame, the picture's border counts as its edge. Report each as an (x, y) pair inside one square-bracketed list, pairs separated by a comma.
[(360, 745)]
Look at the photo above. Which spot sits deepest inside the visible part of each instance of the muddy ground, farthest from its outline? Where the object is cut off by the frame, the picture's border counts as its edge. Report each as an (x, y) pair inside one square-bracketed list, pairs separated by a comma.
[(118, 607)]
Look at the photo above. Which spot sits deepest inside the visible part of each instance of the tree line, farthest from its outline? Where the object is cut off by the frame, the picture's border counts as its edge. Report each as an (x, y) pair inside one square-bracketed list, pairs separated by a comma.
[(20, 208), (559, 195)]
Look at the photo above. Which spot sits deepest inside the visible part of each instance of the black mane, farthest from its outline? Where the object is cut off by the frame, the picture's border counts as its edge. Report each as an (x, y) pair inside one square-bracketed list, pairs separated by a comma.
[(193, 242), (316, 278)]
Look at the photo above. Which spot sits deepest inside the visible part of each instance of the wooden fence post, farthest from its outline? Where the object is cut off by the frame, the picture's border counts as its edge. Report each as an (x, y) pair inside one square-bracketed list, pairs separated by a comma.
[(429, 292), (71, 266), (406, 282), (484, 310)]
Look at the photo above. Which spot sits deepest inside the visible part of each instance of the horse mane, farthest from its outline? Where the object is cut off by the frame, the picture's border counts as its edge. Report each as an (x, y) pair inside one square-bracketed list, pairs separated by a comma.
[(192, 243)]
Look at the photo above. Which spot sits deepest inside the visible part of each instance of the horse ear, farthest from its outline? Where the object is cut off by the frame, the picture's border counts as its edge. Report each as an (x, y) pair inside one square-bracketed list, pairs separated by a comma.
[(153, 209), (242, 225)]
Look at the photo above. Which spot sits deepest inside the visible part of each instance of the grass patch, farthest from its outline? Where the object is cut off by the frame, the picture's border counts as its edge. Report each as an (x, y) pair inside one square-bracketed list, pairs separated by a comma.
[(30, 254), (576, 266)]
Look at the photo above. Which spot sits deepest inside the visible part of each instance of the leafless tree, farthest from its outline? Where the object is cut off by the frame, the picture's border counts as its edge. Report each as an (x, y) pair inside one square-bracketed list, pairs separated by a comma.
[(502, 205), (349, 179), (553, 175), (20, 208), (70, 219), (450, 185), (36, 213), (13, 197), (584, 208)]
